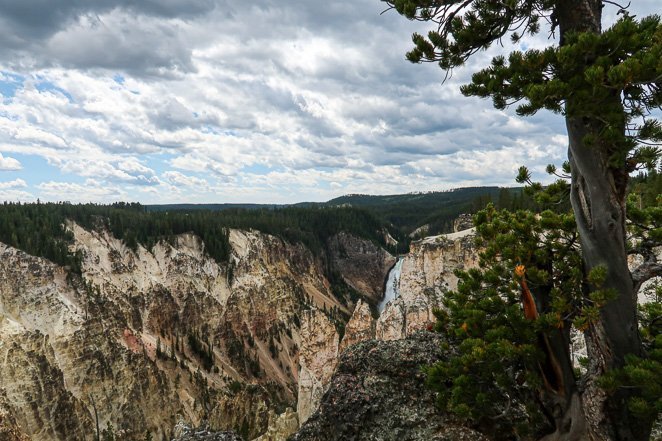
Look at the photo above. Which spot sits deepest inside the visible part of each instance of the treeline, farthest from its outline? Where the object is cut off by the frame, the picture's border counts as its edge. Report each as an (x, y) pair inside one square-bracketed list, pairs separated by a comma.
[(441, 220), (407, 212), (40, 229), (646, 188), (35, 229), (438, 210)]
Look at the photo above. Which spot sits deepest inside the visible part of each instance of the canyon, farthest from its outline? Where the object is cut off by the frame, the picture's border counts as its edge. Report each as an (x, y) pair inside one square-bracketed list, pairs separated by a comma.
[(145, 340)]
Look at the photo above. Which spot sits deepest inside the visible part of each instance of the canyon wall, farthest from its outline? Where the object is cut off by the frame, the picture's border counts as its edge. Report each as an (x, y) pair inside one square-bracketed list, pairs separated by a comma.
[(145, 338)]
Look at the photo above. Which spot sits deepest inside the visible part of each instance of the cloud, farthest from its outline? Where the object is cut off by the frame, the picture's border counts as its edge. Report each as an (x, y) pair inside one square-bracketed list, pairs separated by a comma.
[(181, 180), (16, 183), (9, 164), (264, 101), (90, 191), (120, 171)]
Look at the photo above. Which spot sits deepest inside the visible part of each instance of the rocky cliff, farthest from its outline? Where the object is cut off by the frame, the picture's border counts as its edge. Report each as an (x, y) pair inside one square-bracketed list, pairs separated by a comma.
[(362, 264), (147, 336), (427, 272), (378, 392)]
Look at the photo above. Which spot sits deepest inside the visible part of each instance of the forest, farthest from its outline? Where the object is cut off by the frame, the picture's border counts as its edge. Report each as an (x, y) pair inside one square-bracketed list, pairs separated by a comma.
[(40, 228)]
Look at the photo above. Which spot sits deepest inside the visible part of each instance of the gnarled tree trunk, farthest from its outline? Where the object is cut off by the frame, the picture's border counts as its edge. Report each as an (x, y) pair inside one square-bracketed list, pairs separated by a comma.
[(598, 199)]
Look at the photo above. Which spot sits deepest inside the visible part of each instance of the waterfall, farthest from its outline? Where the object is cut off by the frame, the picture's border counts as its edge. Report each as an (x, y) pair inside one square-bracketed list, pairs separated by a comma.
[(391, 290)]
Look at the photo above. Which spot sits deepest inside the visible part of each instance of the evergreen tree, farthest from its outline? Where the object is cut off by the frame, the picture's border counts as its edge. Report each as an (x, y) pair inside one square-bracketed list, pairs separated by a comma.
[(605, 83), (108, 433)]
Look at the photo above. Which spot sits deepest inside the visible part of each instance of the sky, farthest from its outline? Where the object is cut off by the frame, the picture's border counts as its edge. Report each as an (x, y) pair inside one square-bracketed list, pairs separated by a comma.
[(228, 101)]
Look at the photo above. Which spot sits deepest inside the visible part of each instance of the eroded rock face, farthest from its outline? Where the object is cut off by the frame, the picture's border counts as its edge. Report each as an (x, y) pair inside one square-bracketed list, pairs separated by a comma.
[(463, 222), (363, 265), (134, 335), (183, 432), (378, 393), (280, 426), (10, 430), (360, 327), (317, 359), (123, 338)]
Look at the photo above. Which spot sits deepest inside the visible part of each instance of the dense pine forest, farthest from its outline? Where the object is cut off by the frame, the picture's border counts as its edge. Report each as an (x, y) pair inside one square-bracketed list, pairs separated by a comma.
[(438, 209), (404, 212), (40, 229)]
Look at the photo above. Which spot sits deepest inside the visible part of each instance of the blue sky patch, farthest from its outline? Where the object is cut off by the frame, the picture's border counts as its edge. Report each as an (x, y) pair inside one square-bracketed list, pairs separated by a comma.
[(257, 169), (10, 83), (47, 86)]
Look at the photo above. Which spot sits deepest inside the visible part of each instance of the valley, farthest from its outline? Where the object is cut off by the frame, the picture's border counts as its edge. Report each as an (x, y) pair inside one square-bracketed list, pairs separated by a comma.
[(144, 339)]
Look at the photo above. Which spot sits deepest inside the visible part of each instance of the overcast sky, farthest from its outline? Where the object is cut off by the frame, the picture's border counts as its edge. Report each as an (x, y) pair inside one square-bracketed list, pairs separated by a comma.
[(269, 101)]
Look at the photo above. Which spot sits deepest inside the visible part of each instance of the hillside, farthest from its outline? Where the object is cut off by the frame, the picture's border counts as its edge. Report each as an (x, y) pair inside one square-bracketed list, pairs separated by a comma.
[(39, 229), (438, 209)]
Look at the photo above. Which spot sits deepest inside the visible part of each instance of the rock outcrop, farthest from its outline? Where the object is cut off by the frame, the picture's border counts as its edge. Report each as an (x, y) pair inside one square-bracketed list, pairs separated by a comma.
[(183, 432), (463, 222), (280, 426), (317, 361), (361, 326), (10, 430), (378, 393)]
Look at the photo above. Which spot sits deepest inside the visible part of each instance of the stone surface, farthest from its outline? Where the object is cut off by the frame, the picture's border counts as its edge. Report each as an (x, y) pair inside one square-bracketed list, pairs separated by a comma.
[(10, 430), (463, 222), (317, 360), (183, 432), (378, 393), (280, 426), (360, 327)]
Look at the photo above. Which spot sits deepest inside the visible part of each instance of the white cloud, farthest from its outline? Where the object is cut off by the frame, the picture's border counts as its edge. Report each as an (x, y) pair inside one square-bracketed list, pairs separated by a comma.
[(9, 164), (179, 179), (90, 191), (12, 195), (16, 183), (312, 106)]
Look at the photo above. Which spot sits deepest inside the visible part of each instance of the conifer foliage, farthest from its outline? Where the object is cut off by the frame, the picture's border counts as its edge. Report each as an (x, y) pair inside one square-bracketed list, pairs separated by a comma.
[(503, 350), (607, 85)]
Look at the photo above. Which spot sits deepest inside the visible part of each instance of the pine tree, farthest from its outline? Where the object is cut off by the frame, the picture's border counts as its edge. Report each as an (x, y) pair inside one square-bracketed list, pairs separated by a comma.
[(604, 83)]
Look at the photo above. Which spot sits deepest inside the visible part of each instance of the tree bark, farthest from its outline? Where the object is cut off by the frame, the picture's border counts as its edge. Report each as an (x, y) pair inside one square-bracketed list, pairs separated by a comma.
[(599, 206), (598, 191)]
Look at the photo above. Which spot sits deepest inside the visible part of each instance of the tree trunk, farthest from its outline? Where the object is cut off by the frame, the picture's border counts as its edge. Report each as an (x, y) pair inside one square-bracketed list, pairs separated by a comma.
[(598, 199)]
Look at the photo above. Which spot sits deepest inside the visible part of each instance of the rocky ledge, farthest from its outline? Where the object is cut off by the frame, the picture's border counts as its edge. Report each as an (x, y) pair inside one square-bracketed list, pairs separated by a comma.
[(378, 392)]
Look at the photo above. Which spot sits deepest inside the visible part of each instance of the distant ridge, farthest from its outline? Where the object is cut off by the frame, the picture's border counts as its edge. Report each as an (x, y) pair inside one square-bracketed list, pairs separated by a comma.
[(436, 209), (407, 211), (212, 207)]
